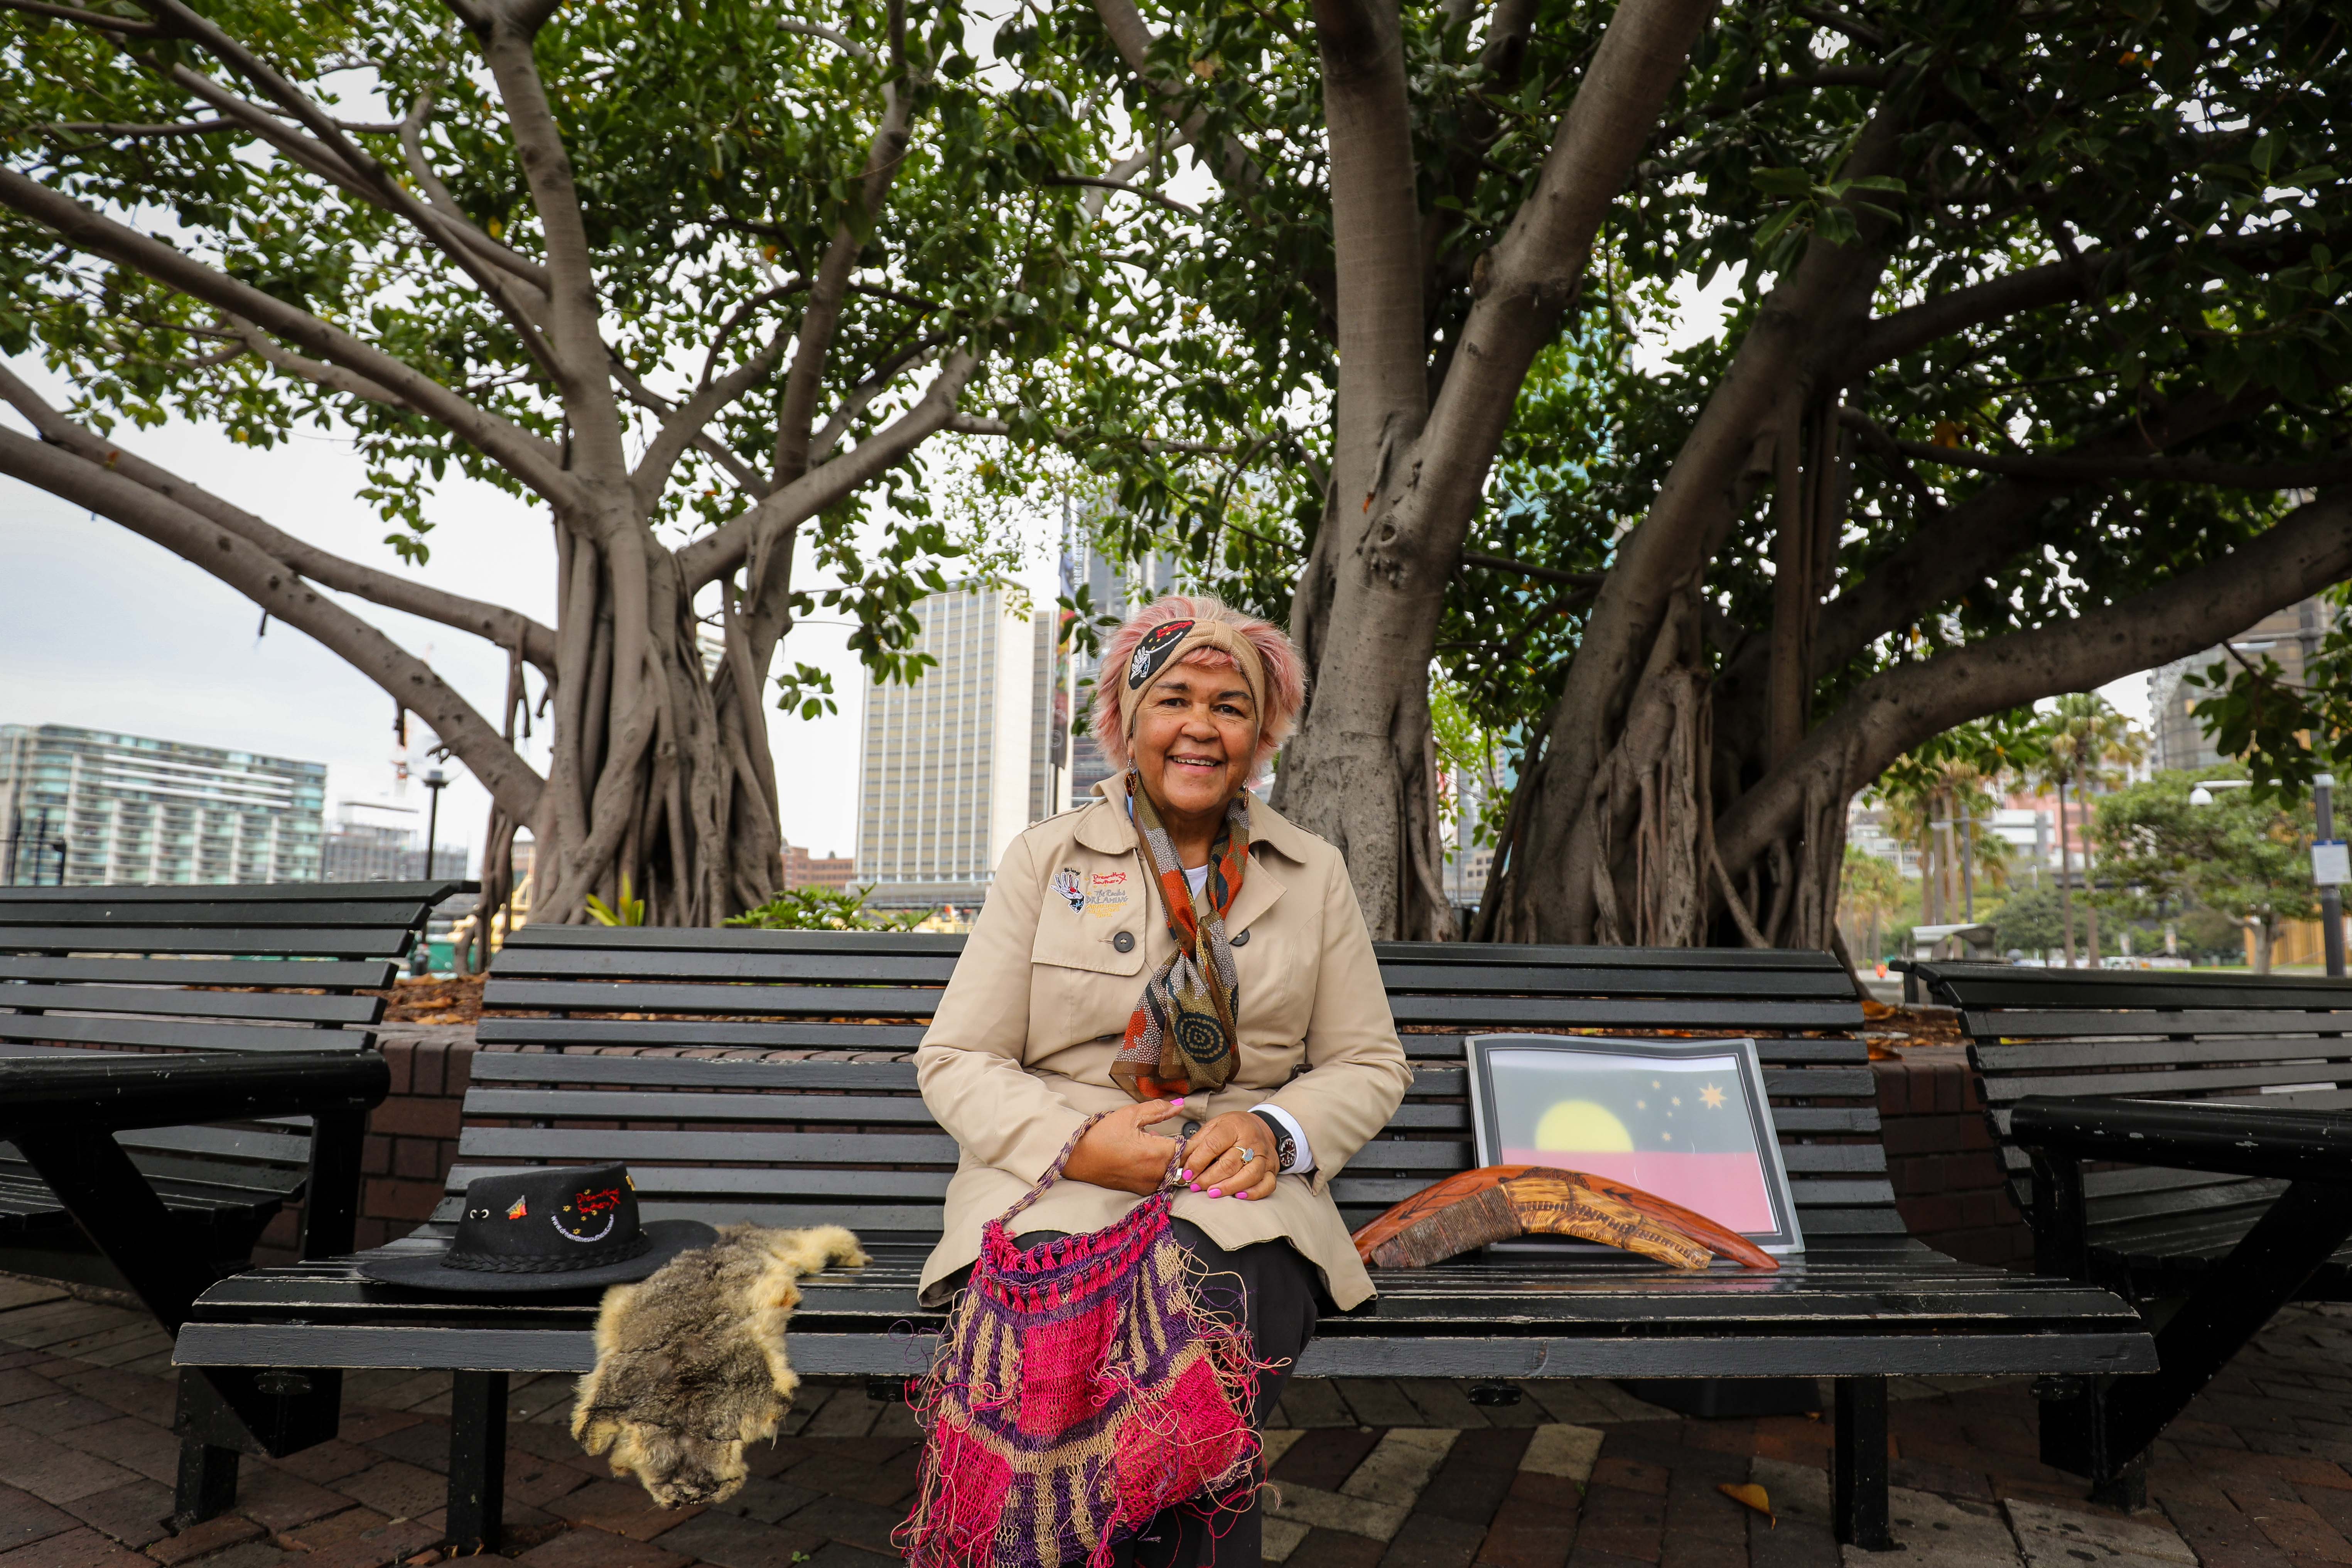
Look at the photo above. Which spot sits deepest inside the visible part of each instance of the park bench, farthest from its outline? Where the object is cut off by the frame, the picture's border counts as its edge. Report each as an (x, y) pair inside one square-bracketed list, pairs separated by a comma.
[(842, 1136), (244, 969), (2214, 1115)]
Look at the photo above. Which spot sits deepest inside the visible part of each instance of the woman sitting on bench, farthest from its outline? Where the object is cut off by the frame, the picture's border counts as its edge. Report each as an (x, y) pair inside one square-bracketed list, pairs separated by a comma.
[(1175, 959)]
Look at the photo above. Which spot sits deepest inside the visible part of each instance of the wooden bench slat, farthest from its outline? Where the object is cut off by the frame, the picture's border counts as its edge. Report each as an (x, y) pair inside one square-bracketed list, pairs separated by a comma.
[(1988, 1025), (164, 1001), (356, 941), (654, 997), (391, 895), (309, 974), (108, 910), (2005, 1090), (2056, 1058), (717, 1034), (176, 1035)]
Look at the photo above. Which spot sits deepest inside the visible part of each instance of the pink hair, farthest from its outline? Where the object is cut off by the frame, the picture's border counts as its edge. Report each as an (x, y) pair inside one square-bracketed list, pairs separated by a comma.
[(1285, 678)]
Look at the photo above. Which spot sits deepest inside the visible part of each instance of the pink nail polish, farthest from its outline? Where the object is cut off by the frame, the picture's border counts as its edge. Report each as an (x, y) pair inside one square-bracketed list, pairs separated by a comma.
[(1244, 1196), (1178, 1102), (1216, 1191), (1183, 1176), (1196, 1186)]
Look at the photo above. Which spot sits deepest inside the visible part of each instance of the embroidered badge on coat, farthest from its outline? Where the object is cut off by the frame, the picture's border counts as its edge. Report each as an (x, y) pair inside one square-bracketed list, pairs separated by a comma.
[(1065, 883)]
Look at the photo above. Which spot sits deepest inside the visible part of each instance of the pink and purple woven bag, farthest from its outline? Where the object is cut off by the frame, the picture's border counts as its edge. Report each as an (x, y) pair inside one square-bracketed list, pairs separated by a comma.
[(1082, 1386)]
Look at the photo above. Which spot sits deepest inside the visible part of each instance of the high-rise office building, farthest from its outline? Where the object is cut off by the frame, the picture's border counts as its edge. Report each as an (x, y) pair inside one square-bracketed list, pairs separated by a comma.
[(2288, 637), (87, 808), (948, 771)]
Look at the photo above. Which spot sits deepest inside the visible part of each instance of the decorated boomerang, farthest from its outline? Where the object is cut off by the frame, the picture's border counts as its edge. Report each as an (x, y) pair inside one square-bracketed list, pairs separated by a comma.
[(1495, 1203)]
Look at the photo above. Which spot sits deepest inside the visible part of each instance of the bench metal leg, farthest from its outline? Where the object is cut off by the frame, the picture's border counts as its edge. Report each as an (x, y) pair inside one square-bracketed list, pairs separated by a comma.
[(1859, 1465), (478, 1460), (208, 1486)]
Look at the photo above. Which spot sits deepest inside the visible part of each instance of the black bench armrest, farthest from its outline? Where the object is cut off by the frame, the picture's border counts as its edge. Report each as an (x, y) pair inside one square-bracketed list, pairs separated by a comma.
[(105, 1093), (2189, 1135)]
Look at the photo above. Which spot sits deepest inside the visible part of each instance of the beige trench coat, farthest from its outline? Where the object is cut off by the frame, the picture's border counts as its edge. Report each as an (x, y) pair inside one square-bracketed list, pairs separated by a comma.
[(1020, 1052)]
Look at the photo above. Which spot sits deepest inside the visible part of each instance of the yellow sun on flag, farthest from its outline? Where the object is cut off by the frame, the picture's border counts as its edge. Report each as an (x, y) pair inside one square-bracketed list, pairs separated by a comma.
[(1581, 1126), (1711, 1097)]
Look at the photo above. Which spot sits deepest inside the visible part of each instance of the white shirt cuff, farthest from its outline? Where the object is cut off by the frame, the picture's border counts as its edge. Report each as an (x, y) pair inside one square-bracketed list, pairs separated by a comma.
[(1297, 1136)]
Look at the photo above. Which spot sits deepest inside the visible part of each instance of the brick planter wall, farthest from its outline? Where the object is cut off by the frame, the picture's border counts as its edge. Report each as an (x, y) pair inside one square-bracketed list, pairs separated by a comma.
[(411, 1137), (1947, 1176), (1948, 1183)]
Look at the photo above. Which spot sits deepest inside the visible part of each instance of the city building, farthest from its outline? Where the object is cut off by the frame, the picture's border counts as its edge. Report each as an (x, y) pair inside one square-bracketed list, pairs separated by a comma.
[(384, 841), (949, 768), (991, 738), (89, 808), (2289, 636), (802, 870)]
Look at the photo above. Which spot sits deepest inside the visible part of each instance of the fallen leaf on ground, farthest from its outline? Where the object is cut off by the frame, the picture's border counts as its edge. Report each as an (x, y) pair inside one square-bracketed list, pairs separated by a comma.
[(1751, 1496)]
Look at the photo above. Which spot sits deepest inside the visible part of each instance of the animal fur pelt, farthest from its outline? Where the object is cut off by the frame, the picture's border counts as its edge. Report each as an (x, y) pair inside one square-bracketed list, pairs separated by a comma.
[(690, 1362)]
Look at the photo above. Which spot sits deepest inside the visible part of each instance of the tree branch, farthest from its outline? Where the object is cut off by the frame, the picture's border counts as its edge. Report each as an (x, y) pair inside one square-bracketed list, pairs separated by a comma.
[(2073, 468), (420, 169), (508, 628), (1548, 574), (723, 549), (1896, 709), (684, 426), (106, 132), (1145, 192), (126, 26), (277, 589), (796, 411), (530, 459)]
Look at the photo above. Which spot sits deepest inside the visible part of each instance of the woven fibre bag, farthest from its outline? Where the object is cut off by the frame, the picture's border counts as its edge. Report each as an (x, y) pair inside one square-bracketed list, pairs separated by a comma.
[(1081, 1387)]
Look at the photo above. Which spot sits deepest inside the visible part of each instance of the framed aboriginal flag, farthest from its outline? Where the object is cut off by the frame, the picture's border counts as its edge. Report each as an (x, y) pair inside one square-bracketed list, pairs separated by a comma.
[(1686, 1120)]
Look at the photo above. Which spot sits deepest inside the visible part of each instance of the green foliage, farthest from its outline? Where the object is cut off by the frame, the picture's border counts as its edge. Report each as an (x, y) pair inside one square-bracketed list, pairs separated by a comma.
[(2191, 150), (2242, 855), (2029, 918), (627, 911), (826, 908)]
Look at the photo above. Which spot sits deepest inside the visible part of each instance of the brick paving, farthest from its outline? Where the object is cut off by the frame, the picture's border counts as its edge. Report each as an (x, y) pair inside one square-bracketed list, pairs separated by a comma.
[(1371, 1474)]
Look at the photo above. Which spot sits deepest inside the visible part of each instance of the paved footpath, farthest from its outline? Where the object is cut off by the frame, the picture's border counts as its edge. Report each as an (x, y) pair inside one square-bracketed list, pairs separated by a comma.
[(1386, 1474)]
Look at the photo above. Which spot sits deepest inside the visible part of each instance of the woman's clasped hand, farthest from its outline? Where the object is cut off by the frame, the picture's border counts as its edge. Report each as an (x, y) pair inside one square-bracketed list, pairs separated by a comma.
[(1118, 1153)]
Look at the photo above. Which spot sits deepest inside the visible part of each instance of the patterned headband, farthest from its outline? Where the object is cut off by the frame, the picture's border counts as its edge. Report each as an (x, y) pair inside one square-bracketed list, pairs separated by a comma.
[(1165, 646)]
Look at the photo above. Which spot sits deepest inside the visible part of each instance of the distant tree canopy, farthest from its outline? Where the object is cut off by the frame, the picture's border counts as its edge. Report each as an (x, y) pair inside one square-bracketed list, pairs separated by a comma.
[(2242, 856)]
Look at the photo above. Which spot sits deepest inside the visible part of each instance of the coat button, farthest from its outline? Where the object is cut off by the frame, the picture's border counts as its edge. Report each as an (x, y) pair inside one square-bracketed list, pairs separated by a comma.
[(1242, 939), (1124, 941)]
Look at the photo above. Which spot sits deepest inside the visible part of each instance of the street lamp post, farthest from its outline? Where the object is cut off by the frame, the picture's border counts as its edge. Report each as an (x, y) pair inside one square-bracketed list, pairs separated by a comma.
[(2331, 894), (436, 781)]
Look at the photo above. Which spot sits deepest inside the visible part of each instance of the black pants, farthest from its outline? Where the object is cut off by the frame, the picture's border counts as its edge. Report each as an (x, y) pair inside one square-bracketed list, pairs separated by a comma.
[(1276, 1291)]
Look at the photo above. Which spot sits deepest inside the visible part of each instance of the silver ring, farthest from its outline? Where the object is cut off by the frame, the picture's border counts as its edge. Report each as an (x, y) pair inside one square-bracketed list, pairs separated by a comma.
[(1248, 1153)]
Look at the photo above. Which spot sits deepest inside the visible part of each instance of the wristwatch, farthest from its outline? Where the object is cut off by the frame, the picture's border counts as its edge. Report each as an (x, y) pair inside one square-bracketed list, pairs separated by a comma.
[(1286, 1147)]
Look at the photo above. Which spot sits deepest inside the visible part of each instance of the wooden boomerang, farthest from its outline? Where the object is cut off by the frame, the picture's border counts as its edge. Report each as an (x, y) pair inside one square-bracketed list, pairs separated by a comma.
[(1497, 1203)]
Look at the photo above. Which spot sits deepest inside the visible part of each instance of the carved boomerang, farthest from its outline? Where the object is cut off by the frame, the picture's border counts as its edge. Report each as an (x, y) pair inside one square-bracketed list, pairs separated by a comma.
[(1495, 1203)]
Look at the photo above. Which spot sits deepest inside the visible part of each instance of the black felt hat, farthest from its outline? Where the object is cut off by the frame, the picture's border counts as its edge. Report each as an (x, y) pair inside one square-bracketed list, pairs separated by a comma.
[(571, 1228)]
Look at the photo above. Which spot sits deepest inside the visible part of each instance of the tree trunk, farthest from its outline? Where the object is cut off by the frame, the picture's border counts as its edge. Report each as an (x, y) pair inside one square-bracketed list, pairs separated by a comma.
[(1363, 772), (661, 787), (2266, 934)]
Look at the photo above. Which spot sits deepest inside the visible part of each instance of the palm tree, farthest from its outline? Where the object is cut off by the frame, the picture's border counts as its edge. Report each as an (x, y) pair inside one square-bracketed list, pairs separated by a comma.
[(2083, 740)]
